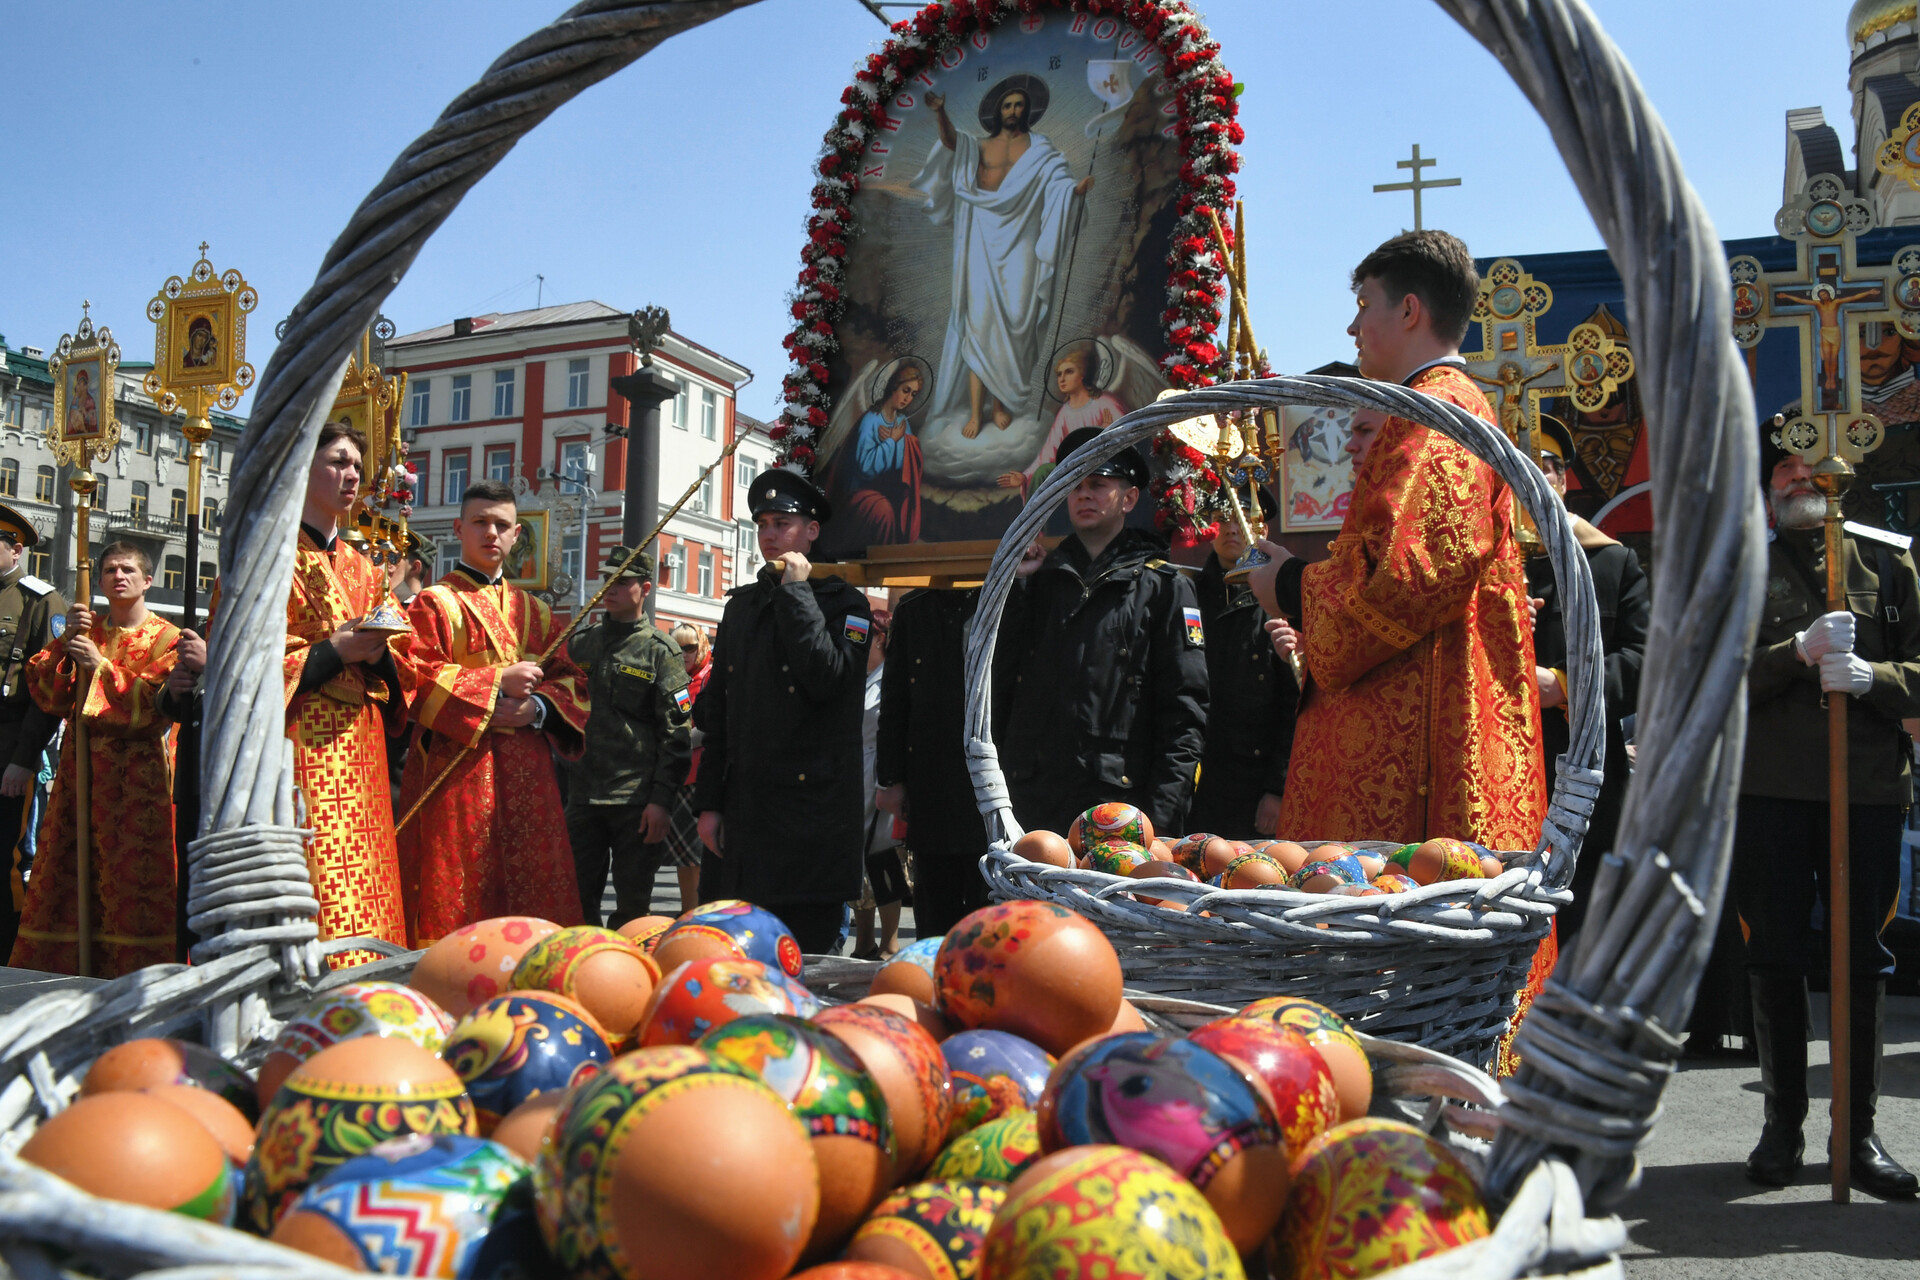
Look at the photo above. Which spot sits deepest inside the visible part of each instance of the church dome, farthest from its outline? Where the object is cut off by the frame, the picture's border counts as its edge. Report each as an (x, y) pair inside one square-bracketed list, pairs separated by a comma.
[(1869, 18)]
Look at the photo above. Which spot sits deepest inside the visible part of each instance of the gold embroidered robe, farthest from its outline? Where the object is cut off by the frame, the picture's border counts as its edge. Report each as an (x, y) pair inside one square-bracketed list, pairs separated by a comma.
[(132, 879)]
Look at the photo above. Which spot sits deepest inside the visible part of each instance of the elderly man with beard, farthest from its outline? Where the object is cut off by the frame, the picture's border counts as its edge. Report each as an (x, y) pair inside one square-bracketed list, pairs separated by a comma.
[(1803, 655)]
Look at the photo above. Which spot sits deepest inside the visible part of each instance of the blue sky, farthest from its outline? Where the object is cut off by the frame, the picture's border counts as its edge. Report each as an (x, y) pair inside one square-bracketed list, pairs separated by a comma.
[(682, 181)]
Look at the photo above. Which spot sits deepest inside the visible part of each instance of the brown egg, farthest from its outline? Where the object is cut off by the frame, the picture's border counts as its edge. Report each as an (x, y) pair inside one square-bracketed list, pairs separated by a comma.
[(133, 1147), (1216, 853), (853, 1270), (1049, 847), (1159, 850), (922, 1013), (1441, 859), (471, 965), (1162, 870), (222, 1119), (522, 1129), (905, 1061), (642, 930), (317, 1235), (1371, 864), (143, 1064), (1032, 968), (1128, 1019), (906, 978)]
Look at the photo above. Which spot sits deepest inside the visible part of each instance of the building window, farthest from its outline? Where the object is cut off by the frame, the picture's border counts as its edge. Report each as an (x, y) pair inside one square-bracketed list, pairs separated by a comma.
[(704, 501), (10, 478), (213, 455), (142, 437), (706, 571), (43, 485), (461, 407), (709, 413), (208, 569), (576, 384), (746, 469), (503, 393), (456, 478), (570, 555), (421, 400), (177, 507), (176, 442), (174, 576), (680, 400), (673, 569), (573, 460), (209, 515), (137, 508), (13, 411), (500, 464), (40, 563), (100, 493)]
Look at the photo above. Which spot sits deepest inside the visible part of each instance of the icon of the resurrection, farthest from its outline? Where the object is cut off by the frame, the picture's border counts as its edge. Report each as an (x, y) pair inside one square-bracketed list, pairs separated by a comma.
[(1006, 273)]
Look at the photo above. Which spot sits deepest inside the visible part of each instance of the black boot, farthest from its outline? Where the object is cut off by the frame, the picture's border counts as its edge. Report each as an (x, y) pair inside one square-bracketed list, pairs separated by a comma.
[(1780, 1031), (1874, 1171)]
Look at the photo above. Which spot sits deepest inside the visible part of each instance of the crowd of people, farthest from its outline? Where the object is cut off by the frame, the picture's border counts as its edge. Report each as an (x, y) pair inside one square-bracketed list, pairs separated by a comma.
[(1410, 685)]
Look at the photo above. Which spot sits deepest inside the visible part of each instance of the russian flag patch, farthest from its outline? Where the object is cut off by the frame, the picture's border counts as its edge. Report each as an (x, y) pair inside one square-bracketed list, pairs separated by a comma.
[(857, 628), (682, 699), (1196, 636)]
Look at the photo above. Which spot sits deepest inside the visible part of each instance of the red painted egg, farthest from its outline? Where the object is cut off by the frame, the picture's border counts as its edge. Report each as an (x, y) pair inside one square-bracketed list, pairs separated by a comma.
[(1031, 968), (1305, 1103), (912, 1074), (471, 965), (1332, 1039), (598, 969), (703, 994)]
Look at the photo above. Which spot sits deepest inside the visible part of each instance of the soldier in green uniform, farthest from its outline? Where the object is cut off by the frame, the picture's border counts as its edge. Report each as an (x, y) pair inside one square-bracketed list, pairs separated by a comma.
[(638, 746), (31, 614)]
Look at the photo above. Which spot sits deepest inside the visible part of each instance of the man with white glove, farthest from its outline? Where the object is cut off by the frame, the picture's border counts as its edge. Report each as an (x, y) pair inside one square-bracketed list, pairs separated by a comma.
[(1804, 656)]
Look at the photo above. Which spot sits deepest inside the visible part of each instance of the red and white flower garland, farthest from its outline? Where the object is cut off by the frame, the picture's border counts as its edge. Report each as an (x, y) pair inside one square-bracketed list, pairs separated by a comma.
[(1207, 133)]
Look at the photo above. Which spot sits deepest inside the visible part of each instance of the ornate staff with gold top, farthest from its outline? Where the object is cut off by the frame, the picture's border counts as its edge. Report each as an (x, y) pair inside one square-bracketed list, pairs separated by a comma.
[(84, 428)]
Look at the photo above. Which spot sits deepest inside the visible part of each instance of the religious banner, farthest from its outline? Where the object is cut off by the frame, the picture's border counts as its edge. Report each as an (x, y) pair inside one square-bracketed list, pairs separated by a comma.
[(1011, 241), (1316, 472)]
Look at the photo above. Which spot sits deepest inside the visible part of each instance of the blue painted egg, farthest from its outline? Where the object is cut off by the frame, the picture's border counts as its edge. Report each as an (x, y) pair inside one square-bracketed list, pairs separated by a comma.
[(995, 1073), (516, 1046), (730, 927)]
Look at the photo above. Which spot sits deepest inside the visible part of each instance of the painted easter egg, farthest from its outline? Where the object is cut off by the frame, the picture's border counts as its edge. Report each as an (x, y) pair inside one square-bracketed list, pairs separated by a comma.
[(472, 964), (1115, 857), (1106, 1213), (1321, 874), (673, 1162), (905, 1061), (1373, 1195), (829, 1089), (996, 1151), (1162, 871), (134, 1147), (994, 1074), (1305, 1103), (1394, 882), (341, 1103), (645, 931), (930, 1230), (729, 928), (1332, 1039), (1190, 1108), (910, 972), (610, 977), (419, 1205), (1113, 820), (1442, 859), (150, 1062), (907, 1007), (703, 994), (1251, 871), (1032, 968), (1188, 849), (358, 1009), (522, 1044)]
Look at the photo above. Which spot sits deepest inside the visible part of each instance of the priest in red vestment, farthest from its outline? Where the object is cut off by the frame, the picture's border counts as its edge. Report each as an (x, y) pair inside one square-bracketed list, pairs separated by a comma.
[(491, 837), (1421, 713)]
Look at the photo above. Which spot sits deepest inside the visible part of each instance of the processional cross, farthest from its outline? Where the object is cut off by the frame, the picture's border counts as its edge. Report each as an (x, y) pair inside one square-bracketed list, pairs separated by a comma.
[(1417, 183)]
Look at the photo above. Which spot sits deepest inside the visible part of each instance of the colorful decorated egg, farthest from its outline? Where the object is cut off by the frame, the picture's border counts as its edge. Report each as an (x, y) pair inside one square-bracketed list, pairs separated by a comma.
[(645, 931), (150, 1062), (703, 994), (994, 1074), (910, 972), (1332, 1039), (1113, 820), (905, 1061), (844, 1270), (1372, 1195), (1290, 855), (841, 1105), (930, 1230), (521, 1044), (1251, 871), (1032, 968), (996, 1151), (1442, 859), (1106, 1213), (1190, 1108), (341, 1103), (472, 964), (608, 976), (907, 1007), (729, 928), (1322, 874), (1049, 847), (673, 1162), (1394, 882), (134, 1147), (1305, 1103), (358, 1009), (1115, 857), (414, 1206), (1188, 849)]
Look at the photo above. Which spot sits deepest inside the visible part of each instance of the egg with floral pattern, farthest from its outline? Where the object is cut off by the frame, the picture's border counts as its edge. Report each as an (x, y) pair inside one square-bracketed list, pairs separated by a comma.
[(1031, 968), (1332, 1039), (996, 1151), (1116, 857), (904, 1060), (472, 964), (519, 1045), (930, 1230), (607, 975), (1113, 820), (729, 928), (703, 994), (347, 1013)]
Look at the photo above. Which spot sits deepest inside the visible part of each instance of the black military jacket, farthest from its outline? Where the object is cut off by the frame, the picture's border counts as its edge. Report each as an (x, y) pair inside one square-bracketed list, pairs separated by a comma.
[(1101, 676), (782, 753), (638, 746), (1786, 719), (28, 608), (1251, 702), (921, 739)]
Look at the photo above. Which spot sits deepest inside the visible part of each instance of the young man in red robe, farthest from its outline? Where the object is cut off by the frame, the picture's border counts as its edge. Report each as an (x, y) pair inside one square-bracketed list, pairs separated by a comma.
[(491, 839)]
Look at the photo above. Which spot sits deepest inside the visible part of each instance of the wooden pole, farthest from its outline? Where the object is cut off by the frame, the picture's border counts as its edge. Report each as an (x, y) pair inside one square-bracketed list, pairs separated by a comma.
[(1832, 477), (196, 431), (83, 486)]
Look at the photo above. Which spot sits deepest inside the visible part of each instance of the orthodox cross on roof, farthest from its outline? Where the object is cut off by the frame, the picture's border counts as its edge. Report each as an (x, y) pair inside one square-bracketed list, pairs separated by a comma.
[(1827, 296), (1417, 183)]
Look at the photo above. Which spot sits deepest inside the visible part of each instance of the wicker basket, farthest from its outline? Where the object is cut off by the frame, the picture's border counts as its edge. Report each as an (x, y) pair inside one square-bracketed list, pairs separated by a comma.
[(1598, 1044)]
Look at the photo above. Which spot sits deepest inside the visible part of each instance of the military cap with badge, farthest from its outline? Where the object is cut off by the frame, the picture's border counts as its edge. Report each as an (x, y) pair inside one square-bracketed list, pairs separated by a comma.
[(1126, 464), (780, 491), (622, 563)]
